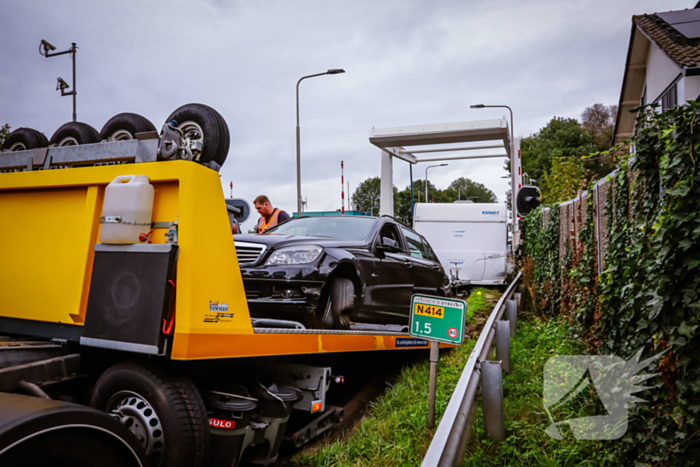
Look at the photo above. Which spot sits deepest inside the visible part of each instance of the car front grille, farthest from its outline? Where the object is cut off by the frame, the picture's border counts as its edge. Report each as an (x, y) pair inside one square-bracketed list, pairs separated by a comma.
[(251, 291), (249, 253)]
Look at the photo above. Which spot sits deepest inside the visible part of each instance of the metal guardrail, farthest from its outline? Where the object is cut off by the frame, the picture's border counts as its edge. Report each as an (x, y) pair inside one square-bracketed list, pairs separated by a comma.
[(452, 435)]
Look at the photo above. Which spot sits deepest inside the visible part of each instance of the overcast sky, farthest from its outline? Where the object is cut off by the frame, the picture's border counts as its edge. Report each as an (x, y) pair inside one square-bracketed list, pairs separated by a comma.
[(406, 62)]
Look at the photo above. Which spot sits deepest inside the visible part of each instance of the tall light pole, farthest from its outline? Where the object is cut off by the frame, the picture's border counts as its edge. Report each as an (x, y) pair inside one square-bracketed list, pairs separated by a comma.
[(333, 71), (62, 85), (513, 194), (426, 178)]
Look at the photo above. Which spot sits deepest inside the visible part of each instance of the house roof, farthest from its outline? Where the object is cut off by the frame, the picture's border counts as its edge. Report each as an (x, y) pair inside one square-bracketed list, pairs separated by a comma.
[(684, 51), (675, 34)]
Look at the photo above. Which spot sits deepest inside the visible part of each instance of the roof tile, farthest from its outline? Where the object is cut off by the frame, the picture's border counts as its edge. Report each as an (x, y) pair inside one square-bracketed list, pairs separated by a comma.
[(684, 52)]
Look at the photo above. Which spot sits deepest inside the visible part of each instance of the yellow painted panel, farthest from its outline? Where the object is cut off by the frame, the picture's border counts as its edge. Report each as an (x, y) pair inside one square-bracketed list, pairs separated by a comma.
[(44, 249), (50, 224)]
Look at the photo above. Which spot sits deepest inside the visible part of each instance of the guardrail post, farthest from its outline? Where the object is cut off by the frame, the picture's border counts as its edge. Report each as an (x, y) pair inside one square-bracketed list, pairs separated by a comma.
[(512, 316), (518, 297), (434, 357), (494, 412), (503, 344)]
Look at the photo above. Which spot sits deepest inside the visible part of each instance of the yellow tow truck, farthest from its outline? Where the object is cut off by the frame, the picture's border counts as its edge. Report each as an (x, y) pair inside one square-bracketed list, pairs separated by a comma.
[(157, 334)]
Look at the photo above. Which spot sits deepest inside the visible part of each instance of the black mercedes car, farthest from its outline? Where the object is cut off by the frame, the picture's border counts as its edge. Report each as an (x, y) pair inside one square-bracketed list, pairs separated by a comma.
[(329, 271)]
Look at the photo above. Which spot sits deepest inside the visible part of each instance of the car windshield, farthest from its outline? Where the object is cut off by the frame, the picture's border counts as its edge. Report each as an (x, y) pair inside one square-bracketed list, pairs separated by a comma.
[(342, 228)]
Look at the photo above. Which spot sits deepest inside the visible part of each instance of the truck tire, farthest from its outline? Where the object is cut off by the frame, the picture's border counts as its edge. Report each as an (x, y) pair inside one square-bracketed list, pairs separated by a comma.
[(340, 302), (36, 432), (74, 133), (164, 411), (124, 126), (213, 130), (25, 138)]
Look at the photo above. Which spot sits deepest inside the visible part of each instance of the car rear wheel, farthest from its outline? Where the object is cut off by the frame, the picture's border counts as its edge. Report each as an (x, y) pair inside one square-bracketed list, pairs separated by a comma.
[(340, 302)]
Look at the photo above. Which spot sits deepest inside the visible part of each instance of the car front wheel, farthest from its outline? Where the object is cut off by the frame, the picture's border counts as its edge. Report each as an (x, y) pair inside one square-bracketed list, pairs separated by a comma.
[(340, 302)]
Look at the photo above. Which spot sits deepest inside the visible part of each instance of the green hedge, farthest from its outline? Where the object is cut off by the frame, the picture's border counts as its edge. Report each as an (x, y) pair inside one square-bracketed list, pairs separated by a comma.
[(648, 294)]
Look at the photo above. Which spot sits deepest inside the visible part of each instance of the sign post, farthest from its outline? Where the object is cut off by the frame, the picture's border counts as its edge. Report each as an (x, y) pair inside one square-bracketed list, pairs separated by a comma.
[(437, 319)]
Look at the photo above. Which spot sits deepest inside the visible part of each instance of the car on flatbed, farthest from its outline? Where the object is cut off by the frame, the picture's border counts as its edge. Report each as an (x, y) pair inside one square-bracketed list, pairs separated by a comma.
[(330, 271)]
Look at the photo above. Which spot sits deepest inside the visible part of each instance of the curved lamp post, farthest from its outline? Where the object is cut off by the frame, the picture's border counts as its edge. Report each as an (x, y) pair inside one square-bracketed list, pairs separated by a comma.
[(333, 71), (426, 178)]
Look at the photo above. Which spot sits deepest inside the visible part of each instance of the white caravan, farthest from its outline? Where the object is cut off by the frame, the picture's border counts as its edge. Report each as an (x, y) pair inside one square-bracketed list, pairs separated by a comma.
[(470, 239)]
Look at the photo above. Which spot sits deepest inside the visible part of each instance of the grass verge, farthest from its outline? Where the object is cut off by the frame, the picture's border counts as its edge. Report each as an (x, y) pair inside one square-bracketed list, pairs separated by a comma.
[(395, 432)]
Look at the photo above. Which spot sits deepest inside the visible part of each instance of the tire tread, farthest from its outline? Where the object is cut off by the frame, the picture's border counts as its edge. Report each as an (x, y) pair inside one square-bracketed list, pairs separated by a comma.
[(185, 403)]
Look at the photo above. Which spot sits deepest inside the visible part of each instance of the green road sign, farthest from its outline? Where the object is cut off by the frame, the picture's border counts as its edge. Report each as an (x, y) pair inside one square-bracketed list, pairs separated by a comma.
[(438, 318)]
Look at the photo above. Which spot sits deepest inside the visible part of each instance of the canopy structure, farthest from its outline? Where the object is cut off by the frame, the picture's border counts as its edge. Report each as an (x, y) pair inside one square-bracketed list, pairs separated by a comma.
[(452, 141)]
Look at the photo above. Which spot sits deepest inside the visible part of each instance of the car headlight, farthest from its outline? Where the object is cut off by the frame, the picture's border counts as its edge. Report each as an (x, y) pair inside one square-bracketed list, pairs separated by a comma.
[(301, 254)]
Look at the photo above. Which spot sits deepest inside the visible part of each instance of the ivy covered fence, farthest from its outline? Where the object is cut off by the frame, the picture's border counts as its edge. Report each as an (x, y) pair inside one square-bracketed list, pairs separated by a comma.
[(621, 263)]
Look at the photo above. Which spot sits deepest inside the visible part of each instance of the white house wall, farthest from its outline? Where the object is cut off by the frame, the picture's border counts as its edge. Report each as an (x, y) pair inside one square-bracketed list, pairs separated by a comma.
[(661, 72), (692, 87)]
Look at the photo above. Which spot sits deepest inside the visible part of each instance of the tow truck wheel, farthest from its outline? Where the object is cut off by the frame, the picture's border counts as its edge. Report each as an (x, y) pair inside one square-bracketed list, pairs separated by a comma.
[(200, 123), (25, 138), (74, 133), (164, 412), (341, 299), (124, 126)]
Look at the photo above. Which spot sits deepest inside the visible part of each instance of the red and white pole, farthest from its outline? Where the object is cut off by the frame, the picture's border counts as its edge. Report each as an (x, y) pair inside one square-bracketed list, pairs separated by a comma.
[(342, 188), (231, 190)]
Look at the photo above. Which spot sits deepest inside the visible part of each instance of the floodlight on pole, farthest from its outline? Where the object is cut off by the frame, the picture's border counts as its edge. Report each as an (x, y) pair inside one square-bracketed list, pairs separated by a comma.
[(46, 49), (332, 71), (426, 178)]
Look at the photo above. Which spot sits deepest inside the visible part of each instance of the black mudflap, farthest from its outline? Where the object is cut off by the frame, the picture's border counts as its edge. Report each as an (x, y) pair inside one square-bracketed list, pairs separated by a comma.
[(131, 294)]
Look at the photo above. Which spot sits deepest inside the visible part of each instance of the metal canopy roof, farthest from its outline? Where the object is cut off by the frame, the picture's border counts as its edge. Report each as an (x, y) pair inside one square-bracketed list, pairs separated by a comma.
[(395, 139)]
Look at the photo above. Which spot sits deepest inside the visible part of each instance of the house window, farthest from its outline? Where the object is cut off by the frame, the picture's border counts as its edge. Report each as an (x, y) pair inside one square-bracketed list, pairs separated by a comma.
[(670, 98)]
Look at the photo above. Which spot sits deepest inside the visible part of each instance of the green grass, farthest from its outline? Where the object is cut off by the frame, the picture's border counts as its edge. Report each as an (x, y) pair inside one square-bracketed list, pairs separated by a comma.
[(395, 433), (478, 302), (527, 444)]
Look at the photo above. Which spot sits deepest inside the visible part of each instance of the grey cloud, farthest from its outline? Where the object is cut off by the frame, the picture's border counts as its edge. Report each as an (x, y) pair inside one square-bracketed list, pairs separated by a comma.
[(407, 62)]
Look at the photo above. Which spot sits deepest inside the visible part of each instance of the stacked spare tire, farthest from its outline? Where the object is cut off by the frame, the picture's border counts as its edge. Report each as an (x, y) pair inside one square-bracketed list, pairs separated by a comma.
[(197, 122)]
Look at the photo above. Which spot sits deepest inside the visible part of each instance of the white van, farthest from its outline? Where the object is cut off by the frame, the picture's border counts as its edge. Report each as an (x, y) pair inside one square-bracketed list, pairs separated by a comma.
[(470, 239)]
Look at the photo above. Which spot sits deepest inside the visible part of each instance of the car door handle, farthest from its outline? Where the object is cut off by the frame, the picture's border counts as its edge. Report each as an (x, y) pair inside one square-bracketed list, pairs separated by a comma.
[(436, 267), (408, 264)]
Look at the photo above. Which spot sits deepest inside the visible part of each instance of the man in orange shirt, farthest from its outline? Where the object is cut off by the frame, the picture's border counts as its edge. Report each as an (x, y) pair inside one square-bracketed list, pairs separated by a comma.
[(269, 216)]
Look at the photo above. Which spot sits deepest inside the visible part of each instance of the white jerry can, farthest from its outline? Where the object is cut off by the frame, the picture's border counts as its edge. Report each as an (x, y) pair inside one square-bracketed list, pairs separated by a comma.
[(127, 209)]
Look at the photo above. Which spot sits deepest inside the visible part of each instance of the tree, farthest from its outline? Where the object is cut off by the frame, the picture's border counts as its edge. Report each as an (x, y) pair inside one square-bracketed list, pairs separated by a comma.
[(466, 189), (599, 121), (366, 196), (565, 179), (4, 133), (561, 137)]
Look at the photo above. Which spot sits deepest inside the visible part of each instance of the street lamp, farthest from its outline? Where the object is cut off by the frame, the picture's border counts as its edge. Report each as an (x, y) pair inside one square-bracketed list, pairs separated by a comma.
[(62, 85), (332, 71), (512, 155), (426, 178)]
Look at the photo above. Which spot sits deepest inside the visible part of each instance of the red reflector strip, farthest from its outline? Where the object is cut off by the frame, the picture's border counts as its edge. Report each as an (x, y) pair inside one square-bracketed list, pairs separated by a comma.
[(222, 424)]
